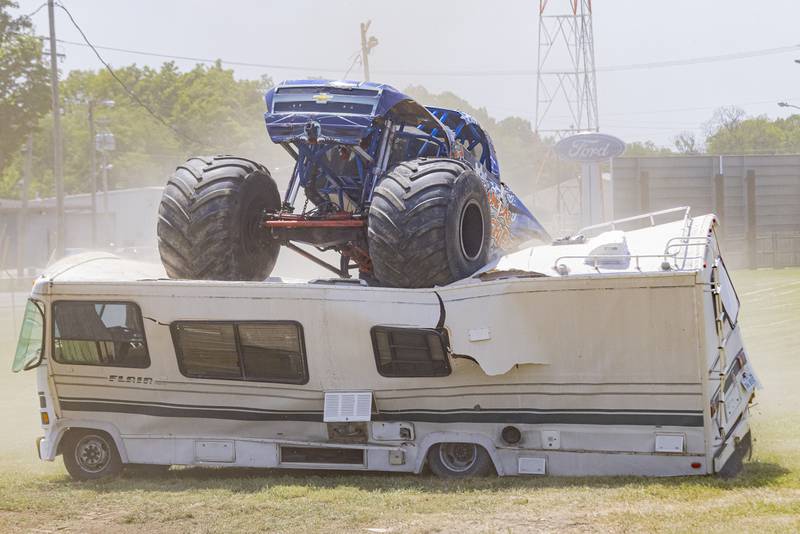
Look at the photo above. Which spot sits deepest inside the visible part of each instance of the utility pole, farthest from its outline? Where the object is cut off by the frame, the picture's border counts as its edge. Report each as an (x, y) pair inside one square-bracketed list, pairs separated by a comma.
[(367, 44), (104, 153), (93, 171), (58, 170), (23, 211)]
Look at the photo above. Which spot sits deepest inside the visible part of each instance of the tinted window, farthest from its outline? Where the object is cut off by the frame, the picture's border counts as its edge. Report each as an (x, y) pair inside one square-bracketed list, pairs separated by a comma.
[(410, 352), (99, 333), (264, 351), (272, 352), (208, 350)]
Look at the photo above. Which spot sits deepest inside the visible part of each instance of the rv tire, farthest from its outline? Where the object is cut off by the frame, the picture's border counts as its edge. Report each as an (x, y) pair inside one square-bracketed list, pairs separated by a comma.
[(209, 220), (459, 460), (90, 454), (429, 224)]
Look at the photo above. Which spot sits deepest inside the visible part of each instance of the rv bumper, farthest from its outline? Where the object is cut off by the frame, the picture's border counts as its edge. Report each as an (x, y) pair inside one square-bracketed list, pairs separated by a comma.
[(47, 445), (43, 446)]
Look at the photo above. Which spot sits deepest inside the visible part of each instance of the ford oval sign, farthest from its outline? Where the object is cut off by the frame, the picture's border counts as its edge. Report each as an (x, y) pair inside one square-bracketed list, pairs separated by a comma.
[(590, 147)]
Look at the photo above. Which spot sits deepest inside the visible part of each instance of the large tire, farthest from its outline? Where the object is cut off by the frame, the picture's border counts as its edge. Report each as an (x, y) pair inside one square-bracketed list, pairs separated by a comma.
[(429, 224), (209, 221)]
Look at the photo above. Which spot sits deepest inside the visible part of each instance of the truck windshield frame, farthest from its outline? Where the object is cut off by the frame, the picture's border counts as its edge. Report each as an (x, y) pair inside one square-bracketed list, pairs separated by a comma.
[(30, 345)]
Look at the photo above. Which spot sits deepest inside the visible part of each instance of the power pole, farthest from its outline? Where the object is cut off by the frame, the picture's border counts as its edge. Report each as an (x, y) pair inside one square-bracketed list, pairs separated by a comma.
[(367, 44), (58, 170), (93, 171), (23, 211)]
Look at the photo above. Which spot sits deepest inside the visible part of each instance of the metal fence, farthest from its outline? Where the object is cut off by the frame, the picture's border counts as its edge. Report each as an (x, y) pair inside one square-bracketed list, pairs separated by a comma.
[(757, 199)]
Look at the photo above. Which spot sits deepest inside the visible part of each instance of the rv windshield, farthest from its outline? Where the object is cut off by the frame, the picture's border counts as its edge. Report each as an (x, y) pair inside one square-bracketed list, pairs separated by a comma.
[(31, 338)]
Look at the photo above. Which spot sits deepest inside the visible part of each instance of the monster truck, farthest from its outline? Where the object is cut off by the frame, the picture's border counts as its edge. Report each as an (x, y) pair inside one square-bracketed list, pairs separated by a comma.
[(409, 195)]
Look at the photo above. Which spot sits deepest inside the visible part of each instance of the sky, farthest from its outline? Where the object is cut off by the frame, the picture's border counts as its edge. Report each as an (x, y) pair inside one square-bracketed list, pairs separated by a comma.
[(434, 43)]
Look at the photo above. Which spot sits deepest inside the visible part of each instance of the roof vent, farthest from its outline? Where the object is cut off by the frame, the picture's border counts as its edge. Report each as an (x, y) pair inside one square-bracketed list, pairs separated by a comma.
[(610, 251)]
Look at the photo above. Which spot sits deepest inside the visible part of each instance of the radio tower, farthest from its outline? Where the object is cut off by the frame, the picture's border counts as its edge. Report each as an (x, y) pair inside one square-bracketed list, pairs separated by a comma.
[(566, 83)]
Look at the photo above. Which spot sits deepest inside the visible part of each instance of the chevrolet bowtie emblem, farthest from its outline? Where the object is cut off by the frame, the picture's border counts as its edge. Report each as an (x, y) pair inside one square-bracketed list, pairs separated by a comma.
[(322, 98)]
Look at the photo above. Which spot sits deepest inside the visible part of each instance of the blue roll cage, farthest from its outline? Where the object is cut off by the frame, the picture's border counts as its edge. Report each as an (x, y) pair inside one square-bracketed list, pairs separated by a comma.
[(309, 132)]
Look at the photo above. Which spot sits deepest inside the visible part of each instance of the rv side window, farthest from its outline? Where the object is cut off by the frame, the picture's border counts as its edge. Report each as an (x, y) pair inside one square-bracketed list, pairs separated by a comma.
[(257, 351), (410, 352), (99, 333)]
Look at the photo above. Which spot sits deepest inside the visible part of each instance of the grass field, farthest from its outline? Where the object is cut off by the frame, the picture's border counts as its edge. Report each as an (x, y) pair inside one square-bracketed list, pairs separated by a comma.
[(39, 497)]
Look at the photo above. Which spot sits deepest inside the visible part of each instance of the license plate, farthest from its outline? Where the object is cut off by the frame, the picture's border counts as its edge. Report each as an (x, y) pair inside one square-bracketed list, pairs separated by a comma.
[(748, 381)]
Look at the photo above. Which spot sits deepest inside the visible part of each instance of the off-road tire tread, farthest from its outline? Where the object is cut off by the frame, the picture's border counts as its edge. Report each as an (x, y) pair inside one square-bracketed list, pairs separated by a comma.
[(407, 223), (195, 240)]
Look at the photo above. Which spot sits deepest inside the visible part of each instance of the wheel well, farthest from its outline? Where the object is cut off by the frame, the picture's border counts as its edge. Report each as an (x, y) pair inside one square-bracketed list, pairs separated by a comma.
[(443, 437), (78, 429)]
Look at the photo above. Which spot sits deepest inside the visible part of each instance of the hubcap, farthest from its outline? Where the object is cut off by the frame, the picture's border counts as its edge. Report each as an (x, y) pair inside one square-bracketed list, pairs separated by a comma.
[(458, 457), (471, 226), (92, 453)]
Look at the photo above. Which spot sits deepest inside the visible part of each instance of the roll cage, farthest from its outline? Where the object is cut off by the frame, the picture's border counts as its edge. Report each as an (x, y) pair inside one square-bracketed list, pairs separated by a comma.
[(345, 135)]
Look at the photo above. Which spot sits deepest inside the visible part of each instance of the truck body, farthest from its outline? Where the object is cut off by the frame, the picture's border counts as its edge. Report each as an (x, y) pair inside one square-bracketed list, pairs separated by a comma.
[(377, 177)]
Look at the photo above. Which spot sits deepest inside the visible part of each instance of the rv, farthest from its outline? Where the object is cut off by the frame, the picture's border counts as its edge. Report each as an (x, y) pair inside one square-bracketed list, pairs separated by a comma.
[(613, 352)]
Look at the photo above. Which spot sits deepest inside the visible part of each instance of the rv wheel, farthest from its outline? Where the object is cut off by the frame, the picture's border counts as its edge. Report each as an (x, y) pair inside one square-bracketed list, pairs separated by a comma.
[(90, 454), (459, 460)]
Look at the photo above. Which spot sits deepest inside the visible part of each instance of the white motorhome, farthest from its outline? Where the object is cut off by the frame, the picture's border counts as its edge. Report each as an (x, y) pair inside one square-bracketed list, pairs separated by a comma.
[(616, 352)]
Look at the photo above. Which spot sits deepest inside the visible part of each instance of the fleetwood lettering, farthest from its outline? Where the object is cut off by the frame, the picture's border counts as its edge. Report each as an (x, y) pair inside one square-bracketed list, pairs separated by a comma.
[(130, 379)]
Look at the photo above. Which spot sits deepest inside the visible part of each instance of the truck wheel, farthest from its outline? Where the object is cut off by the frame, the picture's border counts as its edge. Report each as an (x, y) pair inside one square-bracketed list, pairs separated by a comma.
[(209, 221), (459, 460), (90, 454), (429, 224)]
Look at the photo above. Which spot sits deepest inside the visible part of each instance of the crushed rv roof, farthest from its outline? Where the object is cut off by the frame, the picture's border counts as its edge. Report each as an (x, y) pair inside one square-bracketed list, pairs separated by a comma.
[(677, 245)]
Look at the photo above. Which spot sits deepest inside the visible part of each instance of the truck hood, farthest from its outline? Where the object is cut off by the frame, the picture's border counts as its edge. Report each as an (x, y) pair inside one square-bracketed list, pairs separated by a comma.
[(345, 110)]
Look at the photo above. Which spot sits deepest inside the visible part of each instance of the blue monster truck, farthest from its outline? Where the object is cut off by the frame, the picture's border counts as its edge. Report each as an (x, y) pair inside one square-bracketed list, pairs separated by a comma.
[(409, 195)]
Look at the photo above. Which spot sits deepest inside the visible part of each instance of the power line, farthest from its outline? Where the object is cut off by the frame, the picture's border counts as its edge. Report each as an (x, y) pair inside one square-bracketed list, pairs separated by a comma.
[(202, 59), (35, 11), (463, 73), (356, 58), (702, 59), (130, 93)]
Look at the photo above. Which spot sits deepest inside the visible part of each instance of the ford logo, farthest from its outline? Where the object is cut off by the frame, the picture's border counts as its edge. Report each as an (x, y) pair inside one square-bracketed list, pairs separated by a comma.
[(590, 147)]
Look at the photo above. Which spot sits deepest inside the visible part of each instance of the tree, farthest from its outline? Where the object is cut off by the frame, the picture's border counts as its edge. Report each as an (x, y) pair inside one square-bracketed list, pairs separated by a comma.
[(24, 86), (686, 143), (725, 118), (214, 113), (757, 135), (646, 148)]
